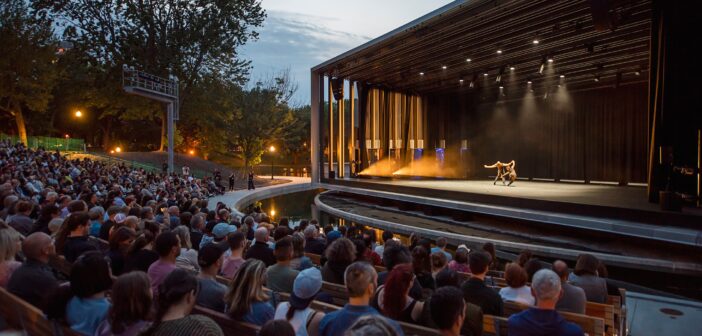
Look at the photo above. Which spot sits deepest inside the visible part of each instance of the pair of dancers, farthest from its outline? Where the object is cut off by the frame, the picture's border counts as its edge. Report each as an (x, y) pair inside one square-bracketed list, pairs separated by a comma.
[(504, 170)]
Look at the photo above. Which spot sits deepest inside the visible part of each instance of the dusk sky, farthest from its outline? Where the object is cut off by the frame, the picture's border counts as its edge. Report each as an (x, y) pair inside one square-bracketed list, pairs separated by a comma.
[(299, 34)]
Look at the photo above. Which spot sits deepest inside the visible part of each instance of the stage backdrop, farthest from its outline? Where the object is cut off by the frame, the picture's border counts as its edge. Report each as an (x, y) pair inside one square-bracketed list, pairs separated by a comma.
[(595, 135)]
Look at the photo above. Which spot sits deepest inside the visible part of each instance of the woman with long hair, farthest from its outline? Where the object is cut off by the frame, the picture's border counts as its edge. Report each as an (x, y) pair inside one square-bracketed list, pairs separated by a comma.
[(297, 311), (141, 254), (421, 266), (392, 298), (246, 299), (299, 261), (131, 306), (72, 238), (586, 277), (188, 256), (176, 299), (120, 241), (340, 254), (9, 246)]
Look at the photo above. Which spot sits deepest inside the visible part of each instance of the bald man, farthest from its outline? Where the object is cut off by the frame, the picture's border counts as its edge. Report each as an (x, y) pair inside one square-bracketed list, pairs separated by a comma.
[(260, 249), (573, 299), (33, 281)]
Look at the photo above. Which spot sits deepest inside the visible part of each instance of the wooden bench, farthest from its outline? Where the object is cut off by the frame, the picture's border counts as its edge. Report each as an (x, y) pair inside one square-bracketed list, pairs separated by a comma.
[(60, 264), (315, 258), (21, 315), (494, 325), (228, 325), (593, 326), (605, 312)]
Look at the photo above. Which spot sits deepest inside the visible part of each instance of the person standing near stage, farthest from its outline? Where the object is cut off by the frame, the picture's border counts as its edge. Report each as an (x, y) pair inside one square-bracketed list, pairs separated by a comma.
[(164, 167), (232, 179), (251, 180)]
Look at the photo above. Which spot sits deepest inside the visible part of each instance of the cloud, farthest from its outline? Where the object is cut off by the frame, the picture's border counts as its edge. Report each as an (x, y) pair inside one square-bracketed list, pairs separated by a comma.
[(298, 42)]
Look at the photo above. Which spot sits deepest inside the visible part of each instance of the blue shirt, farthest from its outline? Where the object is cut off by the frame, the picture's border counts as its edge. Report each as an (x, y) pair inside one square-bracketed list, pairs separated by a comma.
[(541, 322), (260, 313), (448, 255), (95, 228), (337, 322), (84, 315)]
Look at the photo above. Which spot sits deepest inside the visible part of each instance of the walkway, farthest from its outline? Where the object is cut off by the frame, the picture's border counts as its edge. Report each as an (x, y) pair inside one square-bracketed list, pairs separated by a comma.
[(241, 198)]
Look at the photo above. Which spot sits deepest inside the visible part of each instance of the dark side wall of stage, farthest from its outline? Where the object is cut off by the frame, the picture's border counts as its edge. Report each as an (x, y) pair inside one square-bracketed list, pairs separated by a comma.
[(596, 135)]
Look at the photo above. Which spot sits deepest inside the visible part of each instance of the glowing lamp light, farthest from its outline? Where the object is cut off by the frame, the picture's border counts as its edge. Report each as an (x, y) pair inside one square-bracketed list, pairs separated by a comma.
[(112, 151), (535, 41), (550, 60), (66, 136), (191, 152), (79, 114), (421, 74), (272, 212), (271, 149), (444, 67), (499, 51), (468, 60), (118, 149), (511, 68)]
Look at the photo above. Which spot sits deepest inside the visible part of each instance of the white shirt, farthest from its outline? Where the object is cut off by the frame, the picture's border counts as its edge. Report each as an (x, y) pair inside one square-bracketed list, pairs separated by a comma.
[(299, 320), (520, 295)]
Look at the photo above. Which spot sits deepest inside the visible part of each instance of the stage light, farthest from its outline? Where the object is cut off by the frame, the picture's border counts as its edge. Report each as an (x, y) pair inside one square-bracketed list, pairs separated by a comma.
[(637, 72), (421, 74), (501, 87), (499, 51), (597, 78), (471, 85), (511, 68), (468, 60), (112, 151), (528, 82), (78, 114), (562, 76), (485, 74), (66, 136), (542, 66), (460, 81), (550, 59), (535, 41), (118, 149), (444, 67)]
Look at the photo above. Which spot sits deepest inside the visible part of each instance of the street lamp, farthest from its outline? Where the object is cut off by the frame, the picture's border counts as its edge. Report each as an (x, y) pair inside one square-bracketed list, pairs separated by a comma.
[(272, 150), (79, 114), (118, 149)]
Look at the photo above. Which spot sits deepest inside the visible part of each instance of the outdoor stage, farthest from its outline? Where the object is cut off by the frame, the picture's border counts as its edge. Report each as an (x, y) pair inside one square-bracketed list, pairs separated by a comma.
[(626, 203)]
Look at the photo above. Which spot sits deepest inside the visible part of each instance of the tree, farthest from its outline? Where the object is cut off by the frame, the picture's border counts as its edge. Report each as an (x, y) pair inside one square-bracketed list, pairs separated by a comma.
[(297, 134), (189, 39), (28, 71)]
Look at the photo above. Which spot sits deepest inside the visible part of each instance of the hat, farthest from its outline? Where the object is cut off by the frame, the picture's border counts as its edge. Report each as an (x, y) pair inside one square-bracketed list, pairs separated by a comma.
[(463, 246), (120, 218), (208, 255), (307, 285), (332, 236), (221, 230)]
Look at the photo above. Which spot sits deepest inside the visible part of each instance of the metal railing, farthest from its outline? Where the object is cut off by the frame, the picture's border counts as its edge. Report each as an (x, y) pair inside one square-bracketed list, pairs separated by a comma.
[(49, 143)]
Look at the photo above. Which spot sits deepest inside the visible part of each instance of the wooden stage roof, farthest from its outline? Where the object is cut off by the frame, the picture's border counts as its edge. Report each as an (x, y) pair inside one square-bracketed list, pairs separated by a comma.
[(461, 41)]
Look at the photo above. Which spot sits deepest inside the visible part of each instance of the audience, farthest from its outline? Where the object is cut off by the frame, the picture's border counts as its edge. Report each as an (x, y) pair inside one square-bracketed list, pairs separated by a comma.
[(34, 281), (585, 276), (495, 265), (460, 262), (90, 279), (517, 289), (397, 254), (277, 328), (387, 236), (246, 300), (72, 239), (340, 254), (573, 298), (422, 267), (448, 310), (392, 298), (20, 221), (532, 266), (299, 261), (312, 243), (438, 262), (280, 277), (167, 245), (176, 299), (371, 325), (260, 250), (441, 247), (141, 254), (131, 304), (361, 280), (9, 246), (543, 319), (211, 293), (474, 289), (120, 241), (236, 242), (188, 256), (297, 311)]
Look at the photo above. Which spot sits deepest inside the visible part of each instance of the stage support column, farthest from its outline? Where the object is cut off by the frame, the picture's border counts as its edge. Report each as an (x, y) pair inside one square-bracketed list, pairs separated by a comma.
[(317, 104), (342, 118), (655, 97), (331, 128), (352, 138)]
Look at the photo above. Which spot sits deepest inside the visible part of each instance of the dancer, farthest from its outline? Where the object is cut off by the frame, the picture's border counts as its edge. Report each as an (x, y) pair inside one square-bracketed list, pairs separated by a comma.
[(499, 165), (504, 170)]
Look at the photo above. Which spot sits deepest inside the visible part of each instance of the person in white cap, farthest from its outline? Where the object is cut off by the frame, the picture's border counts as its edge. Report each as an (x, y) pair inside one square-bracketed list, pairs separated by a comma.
[(297, 311)]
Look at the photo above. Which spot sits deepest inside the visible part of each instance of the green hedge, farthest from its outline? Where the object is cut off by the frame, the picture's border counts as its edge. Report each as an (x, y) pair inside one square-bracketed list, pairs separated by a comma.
[(49, 143)]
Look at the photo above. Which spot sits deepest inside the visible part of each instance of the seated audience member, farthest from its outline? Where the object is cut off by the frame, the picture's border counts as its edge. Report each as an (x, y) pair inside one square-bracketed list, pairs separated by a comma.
[(246, 300), (361, 280), (447, 277), (473, 319), (517, 289), (20, 221), (340, 254), (72, 239), (312, 243), (523, 257), (120, 241), (131, 305), (495, 265), (386, 236), (48, 212), (188, 256), (448, 310), (532, 266), (460, 262), (90, 279), (368, 253), (396, 254), (54, 226), (167, 245), (96, 215), (114, 214), (9, 246), (299, 261), (371, 325), (585, 276), (211, 293), (573, 299), (260, 250), (221, 231), (141, 254), (197, 224), (441, 247), (422, 267), (277, 328), (474, 289), (543, 319), (602, 273), (438, 262), (236, 242), (280, 277), (33, 281), (176, 299), (392, 298), (297, 311)]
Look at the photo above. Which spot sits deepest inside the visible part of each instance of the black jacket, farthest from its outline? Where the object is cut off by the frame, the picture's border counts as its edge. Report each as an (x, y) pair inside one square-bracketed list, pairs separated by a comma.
[(262, 252), (34, 283), (75, 246), (476, 292), (316, 246)]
